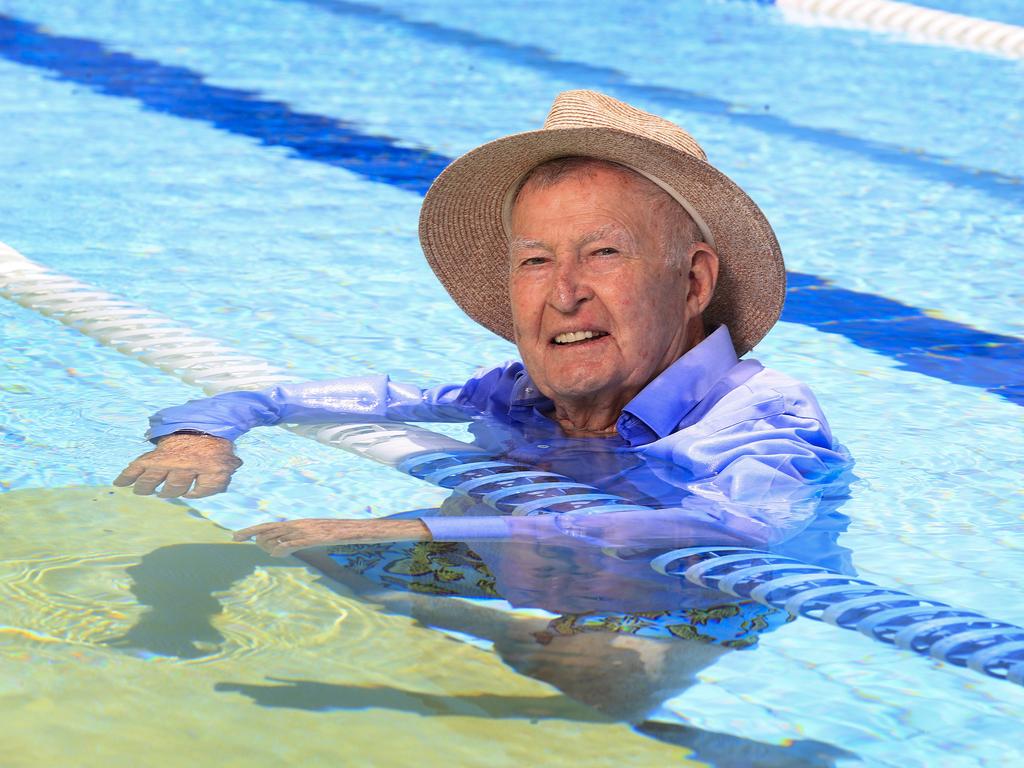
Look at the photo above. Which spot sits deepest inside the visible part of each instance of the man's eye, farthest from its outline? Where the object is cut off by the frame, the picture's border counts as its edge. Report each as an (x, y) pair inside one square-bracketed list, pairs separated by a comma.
[(532, 261), (606, 251)]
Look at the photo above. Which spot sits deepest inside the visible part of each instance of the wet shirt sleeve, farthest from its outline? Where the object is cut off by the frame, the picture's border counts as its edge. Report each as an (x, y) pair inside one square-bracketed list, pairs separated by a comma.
[(359, 399), (693, 522)]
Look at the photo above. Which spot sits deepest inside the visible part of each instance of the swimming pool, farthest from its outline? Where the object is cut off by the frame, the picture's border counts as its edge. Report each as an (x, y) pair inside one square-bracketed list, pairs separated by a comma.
[(255, 170)]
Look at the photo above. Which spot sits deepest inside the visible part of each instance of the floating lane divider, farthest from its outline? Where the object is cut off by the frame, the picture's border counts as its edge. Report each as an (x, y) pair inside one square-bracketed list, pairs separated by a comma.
[(176, 349), (925, 25), (964, 638), (927, 627)]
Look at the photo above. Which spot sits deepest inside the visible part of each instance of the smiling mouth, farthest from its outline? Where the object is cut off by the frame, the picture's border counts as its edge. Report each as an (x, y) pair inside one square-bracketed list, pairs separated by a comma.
[(577, 337)]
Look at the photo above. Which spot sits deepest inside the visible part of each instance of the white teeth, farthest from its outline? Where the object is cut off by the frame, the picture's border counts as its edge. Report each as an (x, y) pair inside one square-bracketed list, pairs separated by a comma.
[(569, 338)]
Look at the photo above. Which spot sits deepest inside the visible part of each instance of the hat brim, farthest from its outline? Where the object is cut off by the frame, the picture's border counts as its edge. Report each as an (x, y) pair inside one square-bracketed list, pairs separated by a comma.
[(464, 239)]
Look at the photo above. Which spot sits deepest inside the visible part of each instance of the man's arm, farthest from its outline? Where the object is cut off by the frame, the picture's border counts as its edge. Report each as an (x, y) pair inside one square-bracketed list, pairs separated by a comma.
[(282, 538), (760, 483), (194, 456), (369, 398), (694, 522)]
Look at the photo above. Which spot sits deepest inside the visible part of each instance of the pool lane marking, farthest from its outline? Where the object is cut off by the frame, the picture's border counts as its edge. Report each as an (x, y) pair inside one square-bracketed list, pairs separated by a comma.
[(920, 25), (917, 341), (616, 83), (184, 93)]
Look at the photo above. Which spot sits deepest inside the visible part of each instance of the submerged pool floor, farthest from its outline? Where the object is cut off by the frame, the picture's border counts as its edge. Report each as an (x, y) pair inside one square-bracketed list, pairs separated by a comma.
[(136, 632)]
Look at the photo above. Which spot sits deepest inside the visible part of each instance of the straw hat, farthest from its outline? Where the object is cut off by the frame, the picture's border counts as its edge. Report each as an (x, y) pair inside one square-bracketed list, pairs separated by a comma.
[(464, 216)]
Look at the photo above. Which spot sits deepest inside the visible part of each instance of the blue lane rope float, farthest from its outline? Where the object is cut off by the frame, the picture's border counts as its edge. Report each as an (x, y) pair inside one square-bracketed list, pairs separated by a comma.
[(511, 488), (960, 637), (963, 638)]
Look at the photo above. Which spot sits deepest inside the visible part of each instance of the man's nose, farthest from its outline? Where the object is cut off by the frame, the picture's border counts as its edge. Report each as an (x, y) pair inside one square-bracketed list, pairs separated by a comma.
[(569, 288)]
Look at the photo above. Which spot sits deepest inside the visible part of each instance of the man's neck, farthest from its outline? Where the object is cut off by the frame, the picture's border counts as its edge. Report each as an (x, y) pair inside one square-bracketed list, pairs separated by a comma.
[(589, 419)]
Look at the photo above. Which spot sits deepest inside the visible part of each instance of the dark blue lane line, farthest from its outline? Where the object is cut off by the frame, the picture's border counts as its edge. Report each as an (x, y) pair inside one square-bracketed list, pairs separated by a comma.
[(931, 166), (919, 342), (938, 348), (181, 92)]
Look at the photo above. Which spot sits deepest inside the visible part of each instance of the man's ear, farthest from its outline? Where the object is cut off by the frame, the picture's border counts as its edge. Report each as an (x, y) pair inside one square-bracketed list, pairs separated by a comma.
[(703, 276)]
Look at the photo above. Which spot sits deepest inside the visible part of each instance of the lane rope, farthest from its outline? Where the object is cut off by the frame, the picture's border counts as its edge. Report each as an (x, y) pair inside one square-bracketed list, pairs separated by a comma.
[(927, 627), (918, 24)]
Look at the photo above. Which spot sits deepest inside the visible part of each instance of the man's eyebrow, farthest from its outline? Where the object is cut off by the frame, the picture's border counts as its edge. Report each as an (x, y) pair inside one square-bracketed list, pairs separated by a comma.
[(607, 231), (523, 243)]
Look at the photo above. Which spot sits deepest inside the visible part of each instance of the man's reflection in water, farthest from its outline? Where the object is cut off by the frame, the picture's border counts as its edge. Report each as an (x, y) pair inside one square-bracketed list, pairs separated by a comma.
[(619, 636)]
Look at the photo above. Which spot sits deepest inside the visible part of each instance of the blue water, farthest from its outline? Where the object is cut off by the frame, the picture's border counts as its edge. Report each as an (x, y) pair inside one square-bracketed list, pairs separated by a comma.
[(255, 171)]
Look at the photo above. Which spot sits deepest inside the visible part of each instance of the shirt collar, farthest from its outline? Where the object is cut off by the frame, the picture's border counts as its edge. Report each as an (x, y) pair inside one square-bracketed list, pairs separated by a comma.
[(525, 393), (660, 406)]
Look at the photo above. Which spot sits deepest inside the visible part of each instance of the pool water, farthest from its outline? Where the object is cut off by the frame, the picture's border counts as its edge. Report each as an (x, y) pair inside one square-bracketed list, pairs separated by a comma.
[(255, 170)]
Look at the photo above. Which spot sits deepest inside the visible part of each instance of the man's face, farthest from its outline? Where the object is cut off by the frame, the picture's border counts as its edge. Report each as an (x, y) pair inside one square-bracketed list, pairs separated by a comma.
[(598, 309)]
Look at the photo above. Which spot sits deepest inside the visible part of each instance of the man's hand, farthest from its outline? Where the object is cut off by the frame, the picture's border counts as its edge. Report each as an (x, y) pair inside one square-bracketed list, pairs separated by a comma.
[(179, 461), (280, 539)]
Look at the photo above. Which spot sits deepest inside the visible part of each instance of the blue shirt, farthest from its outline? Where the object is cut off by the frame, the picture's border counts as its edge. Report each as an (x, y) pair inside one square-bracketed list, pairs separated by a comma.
[(721, 450)]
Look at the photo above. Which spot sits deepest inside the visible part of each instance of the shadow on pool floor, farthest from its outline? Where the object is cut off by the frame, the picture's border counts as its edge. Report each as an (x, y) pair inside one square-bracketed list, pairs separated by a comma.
[(718, 749), (179, 583)]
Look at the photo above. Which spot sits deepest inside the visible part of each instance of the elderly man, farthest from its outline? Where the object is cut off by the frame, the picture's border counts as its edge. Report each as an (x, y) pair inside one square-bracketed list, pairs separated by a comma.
[(631, 274)]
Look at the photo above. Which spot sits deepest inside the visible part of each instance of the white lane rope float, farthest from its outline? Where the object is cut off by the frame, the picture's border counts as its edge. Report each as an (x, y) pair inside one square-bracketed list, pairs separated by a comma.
[(176, 349), (927, 627), (918, 24)]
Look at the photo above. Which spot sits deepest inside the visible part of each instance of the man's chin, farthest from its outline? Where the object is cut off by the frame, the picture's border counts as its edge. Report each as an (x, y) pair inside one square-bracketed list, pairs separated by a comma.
[(584, 390), (581, 382)]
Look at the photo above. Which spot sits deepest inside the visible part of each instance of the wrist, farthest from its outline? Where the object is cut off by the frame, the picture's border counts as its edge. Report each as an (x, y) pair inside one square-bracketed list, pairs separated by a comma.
[(408, 530), (194, 437)]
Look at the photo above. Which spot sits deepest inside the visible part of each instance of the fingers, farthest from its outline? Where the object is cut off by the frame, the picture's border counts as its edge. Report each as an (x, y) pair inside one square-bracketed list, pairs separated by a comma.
[(282, 549), (282, 538), (208, 484), (148, 481), (277, 539), (245, 534), (267, 536), (129, 474), (177, 483)]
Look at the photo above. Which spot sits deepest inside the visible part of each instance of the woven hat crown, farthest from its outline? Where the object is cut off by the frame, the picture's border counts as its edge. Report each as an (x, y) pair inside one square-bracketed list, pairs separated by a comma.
[(589, 109)]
